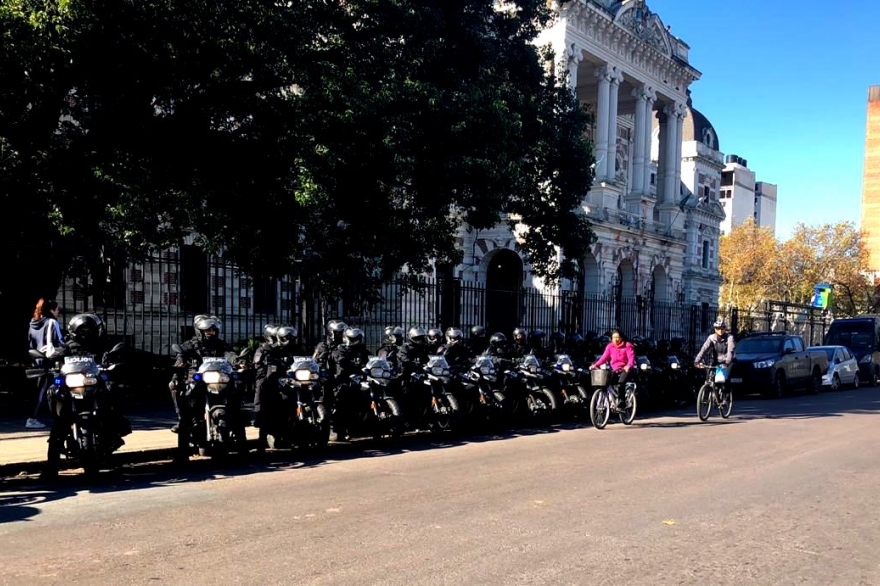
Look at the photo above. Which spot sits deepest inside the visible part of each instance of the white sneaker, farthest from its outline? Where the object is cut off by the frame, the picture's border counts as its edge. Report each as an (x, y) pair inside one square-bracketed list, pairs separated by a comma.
[(34, 424)]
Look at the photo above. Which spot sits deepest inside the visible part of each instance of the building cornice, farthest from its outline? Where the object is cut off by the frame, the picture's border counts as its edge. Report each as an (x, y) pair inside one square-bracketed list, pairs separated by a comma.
[(650, 52)]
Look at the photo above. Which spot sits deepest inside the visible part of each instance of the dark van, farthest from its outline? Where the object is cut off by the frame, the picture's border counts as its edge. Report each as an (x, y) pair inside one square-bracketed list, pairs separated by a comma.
[(862, 336)]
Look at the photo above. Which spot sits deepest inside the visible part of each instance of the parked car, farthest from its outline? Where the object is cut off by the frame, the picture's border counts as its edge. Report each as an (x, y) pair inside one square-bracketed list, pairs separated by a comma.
[(861, 335), (772, 364), (843, 369)]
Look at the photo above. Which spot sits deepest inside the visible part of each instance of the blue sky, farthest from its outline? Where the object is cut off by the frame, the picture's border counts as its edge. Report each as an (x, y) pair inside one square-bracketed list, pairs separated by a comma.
[(785, 83)]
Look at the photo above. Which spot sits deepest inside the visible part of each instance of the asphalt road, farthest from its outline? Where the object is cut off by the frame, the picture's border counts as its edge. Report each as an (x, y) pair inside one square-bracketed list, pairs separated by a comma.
[(785, 492)]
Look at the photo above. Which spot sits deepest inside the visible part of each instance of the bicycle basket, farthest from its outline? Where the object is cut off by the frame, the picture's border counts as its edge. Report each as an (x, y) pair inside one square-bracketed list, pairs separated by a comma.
[(600, 377)]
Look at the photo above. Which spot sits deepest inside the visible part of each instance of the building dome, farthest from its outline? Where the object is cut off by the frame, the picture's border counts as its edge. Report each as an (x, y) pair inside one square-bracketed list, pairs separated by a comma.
[(697, 127)]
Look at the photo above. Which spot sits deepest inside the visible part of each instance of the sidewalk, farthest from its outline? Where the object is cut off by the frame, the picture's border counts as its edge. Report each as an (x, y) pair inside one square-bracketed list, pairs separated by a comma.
[(24, 450)]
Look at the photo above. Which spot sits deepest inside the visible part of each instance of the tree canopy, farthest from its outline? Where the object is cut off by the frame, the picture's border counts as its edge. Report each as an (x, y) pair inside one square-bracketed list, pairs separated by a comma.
[(756, 267), (316, 137)]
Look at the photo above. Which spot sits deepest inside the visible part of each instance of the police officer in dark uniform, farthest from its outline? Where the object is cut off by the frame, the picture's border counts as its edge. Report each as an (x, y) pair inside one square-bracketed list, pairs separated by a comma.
[(390, 349), (206, 343), (348, 359)]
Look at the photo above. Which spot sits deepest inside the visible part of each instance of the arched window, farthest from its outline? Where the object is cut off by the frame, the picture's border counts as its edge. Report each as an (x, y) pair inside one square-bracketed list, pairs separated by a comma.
[(709, 139)]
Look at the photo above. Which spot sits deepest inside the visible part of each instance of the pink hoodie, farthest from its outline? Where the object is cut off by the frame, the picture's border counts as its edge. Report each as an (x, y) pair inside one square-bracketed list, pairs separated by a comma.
[(620, 356)]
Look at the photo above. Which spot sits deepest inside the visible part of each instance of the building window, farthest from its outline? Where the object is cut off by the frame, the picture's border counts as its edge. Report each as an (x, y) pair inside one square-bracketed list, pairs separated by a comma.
[(706, 192), (653, 178), (705, 254)]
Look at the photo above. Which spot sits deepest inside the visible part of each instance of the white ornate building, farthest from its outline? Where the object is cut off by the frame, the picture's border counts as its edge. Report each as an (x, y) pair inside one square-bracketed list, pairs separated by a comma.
[(654, 203)]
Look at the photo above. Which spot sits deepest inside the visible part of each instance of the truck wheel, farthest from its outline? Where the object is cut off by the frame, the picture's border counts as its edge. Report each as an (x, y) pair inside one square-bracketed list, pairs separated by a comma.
[(778, 389)]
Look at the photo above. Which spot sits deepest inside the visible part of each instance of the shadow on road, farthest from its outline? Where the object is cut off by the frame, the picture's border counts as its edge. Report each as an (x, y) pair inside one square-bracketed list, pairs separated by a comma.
[(828, 404)]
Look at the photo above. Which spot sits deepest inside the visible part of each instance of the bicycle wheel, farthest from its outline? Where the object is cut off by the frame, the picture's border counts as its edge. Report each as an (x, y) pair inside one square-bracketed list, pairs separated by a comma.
[(726, 405), (600, 410), (629, 413), (704, 402)]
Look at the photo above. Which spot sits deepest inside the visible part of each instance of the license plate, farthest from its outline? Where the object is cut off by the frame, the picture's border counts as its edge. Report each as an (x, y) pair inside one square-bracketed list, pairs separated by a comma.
[(736, 380)]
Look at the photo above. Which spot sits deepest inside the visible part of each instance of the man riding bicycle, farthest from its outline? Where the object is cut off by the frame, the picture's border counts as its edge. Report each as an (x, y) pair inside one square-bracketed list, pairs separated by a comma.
[(718, 347)]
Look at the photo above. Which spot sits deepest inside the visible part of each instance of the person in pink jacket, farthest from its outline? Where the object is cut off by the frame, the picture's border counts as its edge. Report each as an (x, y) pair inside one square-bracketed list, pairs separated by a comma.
[(620, 355)]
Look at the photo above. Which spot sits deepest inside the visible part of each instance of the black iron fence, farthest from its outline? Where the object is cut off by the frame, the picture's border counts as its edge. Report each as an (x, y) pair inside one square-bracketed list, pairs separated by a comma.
[(151, 305)]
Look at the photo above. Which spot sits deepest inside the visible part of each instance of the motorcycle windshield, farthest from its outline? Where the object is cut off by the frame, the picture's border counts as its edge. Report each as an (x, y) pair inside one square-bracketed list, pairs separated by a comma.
[(378, 368), (215, 365), (438, 366), (304, 369), (80, 364)]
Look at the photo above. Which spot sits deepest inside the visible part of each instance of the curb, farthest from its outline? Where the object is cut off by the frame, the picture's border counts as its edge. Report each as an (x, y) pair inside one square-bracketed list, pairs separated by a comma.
[(143, 456)]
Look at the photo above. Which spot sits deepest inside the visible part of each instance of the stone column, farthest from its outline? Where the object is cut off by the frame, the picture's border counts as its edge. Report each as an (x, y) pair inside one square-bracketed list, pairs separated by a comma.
[(642, 140), (638, 166), (661, 155), (650, 98), (670, 179), (679, 128), (611, 159), (574, 55), (601, 134)]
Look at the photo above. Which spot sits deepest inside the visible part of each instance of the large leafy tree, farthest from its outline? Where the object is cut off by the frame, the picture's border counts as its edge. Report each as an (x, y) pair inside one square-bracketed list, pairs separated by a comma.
[(334, 139)]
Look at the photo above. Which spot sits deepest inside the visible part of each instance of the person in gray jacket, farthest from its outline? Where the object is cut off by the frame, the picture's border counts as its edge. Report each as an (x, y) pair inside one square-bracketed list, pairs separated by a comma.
[(718, 347)]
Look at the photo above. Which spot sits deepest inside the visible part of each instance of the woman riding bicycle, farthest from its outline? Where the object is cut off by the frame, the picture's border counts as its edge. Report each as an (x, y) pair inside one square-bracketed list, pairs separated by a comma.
[(619, 353)]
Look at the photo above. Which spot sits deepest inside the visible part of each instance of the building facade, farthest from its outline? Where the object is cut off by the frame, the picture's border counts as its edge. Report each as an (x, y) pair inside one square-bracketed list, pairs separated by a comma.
[(871, 181), (743, 197), (654, 203)]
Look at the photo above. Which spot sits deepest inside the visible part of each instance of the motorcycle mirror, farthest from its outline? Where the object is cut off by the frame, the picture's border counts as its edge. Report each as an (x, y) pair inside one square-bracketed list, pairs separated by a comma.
[(117, 347)]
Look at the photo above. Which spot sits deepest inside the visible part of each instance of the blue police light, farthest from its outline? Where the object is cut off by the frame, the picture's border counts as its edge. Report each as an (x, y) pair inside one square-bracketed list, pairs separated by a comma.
[(197, 376), (58, 382)]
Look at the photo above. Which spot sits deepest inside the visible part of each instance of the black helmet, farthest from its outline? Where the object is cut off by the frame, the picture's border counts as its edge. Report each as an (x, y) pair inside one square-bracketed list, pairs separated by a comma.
[(269, 333), (353, 336), (478, 332), (536, 338), (434, 334), (285, 335), (394, 335), (416, 335), (454, 335), (519, 333), (86, 328), (205, 323), (604, 340), (497, 339)]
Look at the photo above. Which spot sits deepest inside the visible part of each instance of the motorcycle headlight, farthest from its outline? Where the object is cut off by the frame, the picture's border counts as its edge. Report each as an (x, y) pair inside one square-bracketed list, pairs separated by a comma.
[(643, 366), (379, 372), (566, 367), (533, 368), (213, 377), (437, 370), (302, 375), (674, 365), (487, 370), (764, 364), (79, 379)]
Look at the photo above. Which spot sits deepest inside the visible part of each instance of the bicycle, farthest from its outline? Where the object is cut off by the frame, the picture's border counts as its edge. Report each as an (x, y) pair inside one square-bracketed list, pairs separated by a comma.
[(711, 396), (604, 399)]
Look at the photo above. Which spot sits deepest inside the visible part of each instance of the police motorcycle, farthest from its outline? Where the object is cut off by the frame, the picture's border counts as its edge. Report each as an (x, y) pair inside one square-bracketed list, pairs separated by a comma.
[(574, 399), (214, 390), (81, 396), (480, 381), (299, 419), (436, 405), (527, 383), (368, 407)]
